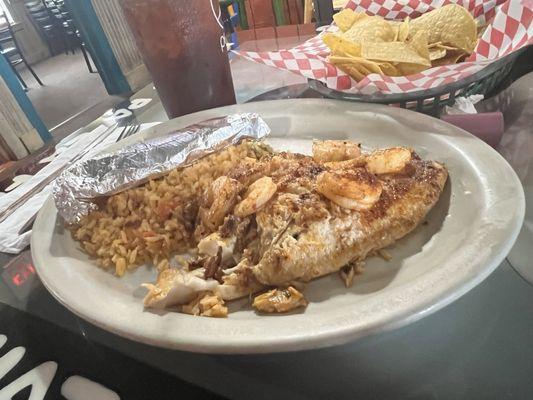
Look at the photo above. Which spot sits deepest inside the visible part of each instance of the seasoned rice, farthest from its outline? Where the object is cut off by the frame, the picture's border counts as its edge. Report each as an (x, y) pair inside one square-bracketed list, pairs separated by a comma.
[(147, 224)]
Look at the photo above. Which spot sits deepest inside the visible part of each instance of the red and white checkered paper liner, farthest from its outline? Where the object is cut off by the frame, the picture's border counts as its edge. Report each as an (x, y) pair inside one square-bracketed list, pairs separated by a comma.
[(510, 28)]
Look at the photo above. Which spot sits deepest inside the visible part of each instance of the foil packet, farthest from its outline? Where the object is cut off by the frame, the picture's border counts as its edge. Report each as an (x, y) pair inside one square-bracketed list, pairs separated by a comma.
[(77, 188)]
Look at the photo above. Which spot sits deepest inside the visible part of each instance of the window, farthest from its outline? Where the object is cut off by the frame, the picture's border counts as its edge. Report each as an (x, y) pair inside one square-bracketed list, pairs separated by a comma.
[(5, 10)]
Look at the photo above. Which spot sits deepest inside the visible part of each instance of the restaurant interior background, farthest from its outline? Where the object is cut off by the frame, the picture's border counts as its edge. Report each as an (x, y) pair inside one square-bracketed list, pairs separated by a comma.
[(64, 63)]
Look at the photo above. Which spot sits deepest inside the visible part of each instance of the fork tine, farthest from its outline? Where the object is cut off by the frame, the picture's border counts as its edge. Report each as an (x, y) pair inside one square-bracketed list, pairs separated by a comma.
[(137, 128), (133, 130), (122, 133), (128, 132)]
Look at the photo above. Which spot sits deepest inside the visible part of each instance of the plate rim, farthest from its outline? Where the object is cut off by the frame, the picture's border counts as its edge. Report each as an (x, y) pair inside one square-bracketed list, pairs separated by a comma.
[(325, 339)]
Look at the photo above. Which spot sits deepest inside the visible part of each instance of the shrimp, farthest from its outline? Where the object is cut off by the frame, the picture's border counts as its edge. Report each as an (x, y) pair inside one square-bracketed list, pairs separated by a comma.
[(335, 150), (357, 162), (258, 194), (222, 196), (280, 300), (388, 161), (355, 190)]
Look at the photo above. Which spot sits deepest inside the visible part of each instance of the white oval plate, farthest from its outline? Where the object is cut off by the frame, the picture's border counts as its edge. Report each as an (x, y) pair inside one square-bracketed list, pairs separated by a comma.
[(468, 234)]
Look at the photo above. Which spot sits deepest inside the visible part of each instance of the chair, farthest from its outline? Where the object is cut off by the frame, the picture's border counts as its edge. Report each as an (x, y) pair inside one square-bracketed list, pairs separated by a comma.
[(72, 33), (53, 19), (10, 50), (56, 11), (45, 23)]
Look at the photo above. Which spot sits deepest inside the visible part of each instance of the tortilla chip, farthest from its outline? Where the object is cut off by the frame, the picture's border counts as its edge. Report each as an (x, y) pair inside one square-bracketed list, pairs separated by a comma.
[(410, 69), (346, 18), (340, 46), (351, 70), (419, 42), (388, 69), (403, 30), (436, 53), (370, 29), (394, 52), (451, 25), (371, 66)]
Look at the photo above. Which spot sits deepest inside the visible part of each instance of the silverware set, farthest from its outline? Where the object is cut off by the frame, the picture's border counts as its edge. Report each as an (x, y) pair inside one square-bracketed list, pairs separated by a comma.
[(127, 131)]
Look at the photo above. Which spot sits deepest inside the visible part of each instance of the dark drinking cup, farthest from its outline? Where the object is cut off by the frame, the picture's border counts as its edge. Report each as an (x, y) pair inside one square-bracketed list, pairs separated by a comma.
[(180, 41)]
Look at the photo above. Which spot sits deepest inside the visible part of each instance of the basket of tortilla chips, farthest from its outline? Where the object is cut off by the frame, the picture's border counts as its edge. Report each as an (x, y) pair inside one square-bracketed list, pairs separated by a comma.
[(395, 51)]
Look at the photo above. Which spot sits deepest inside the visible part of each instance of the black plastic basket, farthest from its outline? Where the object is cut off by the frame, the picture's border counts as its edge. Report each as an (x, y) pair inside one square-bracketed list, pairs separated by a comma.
[(432, 101)]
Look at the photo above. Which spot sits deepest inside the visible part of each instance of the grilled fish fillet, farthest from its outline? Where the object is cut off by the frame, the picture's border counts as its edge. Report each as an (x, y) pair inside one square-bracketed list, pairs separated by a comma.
[(290, 217), (304, 235)]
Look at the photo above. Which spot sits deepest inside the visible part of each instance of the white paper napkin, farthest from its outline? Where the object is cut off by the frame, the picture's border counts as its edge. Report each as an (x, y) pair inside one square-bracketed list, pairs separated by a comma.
[(10, 240), (465, 105)]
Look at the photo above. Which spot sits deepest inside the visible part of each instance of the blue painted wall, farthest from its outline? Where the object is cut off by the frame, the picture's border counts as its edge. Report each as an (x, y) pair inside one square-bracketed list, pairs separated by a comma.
[(96, 42), (25, 104)]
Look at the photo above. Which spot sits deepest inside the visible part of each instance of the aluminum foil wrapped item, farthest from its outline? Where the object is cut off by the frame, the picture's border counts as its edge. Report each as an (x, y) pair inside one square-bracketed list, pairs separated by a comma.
[(77, 187)]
